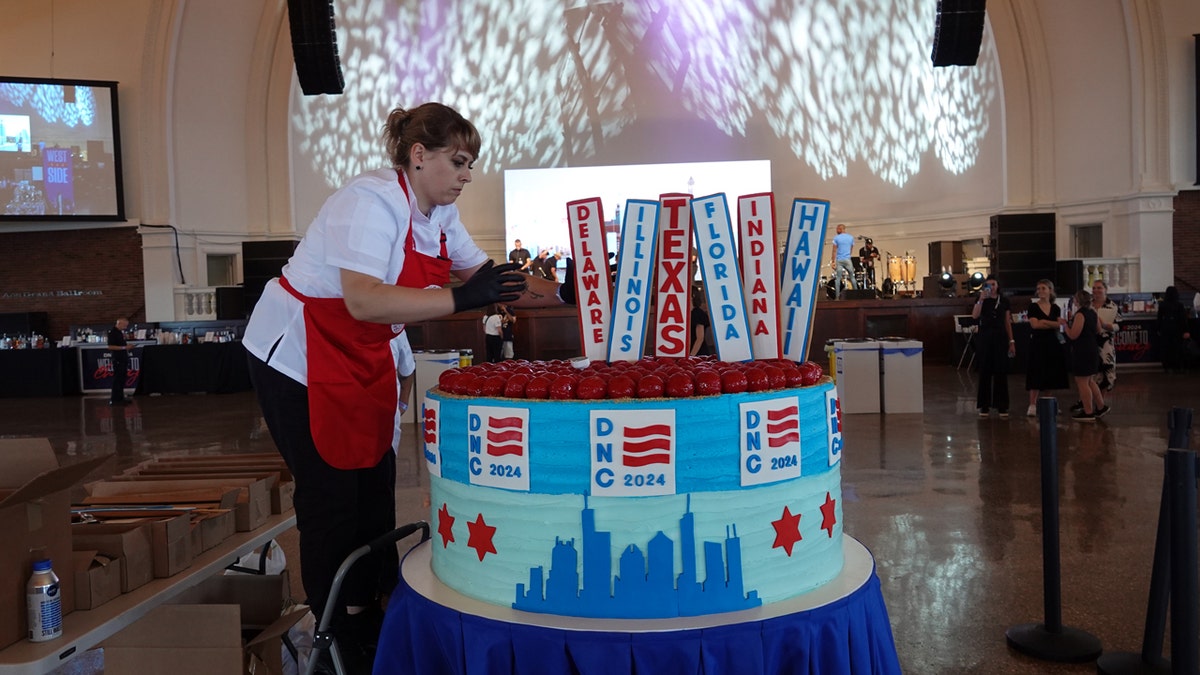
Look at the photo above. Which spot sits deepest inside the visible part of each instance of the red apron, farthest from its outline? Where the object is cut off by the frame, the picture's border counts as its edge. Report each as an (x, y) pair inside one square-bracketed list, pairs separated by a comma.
[(351, 371)]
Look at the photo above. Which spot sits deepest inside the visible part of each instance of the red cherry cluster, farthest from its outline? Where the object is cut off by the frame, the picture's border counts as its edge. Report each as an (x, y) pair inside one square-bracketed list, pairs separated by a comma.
[(648, 378)]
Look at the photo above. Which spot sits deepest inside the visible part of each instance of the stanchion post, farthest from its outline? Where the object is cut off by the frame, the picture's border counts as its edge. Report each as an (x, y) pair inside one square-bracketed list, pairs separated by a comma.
[(1151, 661), (1185, 588), (1051, 640)]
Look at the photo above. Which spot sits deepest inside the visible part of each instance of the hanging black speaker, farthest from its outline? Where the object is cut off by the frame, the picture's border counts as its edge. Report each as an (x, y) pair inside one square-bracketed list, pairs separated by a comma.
[(958, 32), (314, 46)]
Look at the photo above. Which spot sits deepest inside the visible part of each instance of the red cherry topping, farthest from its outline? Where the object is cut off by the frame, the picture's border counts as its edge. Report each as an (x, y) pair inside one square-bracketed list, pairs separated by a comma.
[(733, 382), (650, 386)]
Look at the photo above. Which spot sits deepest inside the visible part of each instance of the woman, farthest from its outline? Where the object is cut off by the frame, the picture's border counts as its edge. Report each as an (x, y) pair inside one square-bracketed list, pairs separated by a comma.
[(1046, 367), (376, 257), (1082, 330), (1172, 330), (493, 323), (1107, 318), (699, 322), (994, 346)]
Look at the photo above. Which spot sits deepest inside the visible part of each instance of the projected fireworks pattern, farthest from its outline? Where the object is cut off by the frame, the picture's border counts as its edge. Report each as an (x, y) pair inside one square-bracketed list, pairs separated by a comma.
[(838, 81), (48, 102)]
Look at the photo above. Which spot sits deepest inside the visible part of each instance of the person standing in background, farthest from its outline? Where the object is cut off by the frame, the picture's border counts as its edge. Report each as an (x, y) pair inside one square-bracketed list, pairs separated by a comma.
[(701, 346), (508, 322), (520, 257), (119, 348), (1047, 363), (1107, 316), (1083, 330), (1172, 330), (843, 249), (549, 266), (867, 255), (994, 345), (493, 327)]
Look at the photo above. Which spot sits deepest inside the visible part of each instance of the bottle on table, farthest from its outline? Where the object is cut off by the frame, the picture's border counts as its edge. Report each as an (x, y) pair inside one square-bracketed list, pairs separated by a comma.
[(44, 600)]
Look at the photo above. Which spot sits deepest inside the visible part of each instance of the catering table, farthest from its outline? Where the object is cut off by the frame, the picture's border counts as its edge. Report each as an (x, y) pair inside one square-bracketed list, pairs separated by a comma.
[(38, 372), (841, 628), (84, 629), (208, 367)]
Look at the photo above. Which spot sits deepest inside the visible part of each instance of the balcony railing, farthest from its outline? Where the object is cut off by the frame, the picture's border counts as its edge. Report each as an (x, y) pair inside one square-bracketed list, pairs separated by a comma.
[(194, 303)]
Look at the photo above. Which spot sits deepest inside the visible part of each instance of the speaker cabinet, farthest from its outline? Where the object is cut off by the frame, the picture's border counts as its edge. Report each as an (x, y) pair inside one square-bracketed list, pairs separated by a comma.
[(1022, 250), (1068, 277), (231, 303), (946, 255), (958, 32), (314, 46), (858, 294), (261, 262)]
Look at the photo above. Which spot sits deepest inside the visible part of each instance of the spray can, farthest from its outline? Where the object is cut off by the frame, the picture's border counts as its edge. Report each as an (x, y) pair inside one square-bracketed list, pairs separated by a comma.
[(44, 602)]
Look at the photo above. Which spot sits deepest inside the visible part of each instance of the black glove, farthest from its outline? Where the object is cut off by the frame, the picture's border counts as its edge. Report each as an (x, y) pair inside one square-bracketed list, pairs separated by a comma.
[(566, 292), (492, 283)]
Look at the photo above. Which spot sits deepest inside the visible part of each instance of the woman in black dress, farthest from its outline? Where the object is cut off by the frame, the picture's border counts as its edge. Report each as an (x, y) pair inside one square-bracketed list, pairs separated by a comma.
[(1085, 358), (994, 347), (1172, 330), (1047, 363)]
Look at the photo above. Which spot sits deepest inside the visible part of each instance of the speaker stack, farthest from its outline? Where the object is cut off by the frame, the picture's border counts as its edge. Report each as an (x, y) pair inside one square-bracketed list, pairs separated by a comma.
[(314, 46), (958, 32), (261, 262), (1022, 250)]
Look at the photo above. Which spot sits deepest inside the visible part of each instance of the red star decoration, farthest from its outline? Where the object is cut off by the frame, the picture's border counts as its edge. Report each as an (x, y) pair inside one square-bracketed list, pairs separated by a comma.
[(445, 525), (480, 538), (787, 531), (828, 514)]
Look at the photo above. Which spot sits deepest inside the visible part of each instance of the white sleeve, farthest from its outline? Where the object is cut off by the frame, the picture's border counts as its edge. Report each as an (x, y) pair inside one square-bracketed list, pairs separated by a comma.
[(402, 351)]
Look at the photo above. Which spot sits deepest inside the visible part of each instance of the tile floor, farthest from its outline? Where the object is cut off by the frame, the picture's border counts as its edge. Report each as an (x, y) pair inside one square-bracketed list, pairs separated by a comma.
[(949, 504)]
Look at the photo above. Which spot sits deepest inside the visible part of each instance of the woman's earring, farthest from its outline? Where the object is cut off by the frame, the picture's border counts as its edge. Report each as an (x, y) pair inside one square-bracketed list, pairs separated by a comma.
[(418, 167)]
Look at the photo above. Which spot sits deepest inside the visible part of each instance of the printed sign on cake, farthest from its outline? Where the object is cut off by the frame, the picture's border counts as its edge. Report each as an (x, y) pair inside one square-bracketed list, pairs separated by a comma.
[(430, 412), (722, 282), (673, 298), (760, 272), (593, 294), (633, 452), (635, 268), (498, 447), (833, 426), (770, 439), (801, 270)]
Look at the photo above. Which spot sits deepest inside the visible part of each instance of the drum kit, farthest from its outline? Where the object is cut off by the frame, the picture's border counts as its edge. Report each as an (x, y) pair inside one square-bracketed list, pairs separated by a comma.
[(901, 277)]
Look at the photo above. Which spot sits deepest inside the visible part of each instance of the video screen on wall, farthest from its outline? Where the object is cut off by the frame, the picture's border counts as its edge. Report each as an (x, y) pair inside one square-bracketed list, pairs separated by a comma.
[(60, 151), (535, 200)]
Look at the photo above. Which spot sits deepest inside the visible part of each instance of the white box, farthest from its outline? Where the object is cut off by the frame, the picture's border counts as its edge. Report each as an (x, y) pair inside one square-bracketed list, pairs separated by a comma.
[(900, 375), (857, 375)]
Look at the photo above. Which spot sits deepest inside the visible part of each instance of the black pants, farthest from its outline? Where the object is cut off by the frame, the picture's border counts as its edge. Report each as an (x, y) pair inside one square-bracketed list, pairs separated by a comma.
[(120, 374), (992, 358), (337, 510), (494, 346)]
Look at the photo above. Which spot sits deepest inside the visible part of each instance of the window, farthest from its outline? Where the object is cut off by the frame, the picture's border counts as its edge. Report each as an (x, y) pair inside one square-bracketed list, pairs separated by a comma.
[(1088, 241), (222, 269)]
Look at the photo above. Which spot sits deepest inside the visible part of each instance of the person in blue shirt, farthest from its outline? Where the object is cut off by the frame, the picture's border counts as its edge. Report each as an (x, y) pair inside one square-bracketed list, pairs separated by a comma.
[(843, 247)]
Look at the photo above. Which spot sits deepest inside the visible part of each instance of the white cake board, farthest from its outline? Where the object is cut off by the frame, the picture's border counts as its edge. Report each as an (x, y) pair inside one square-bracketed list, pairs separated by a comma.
[(857, 569)]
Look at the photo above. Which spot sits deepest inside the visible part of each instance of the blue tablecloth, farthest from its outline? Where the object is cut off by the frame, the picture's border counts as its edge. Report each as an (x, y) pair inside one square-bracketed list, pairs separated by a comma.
[(848, 636)]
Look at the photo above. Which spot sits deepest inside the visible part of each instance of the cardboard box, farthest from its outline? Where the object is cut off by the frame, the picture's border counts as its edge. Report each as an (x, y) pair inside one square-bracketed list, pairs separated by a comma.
[(279, 478), (35, 522), (131, 543), (213, 526), (172, 545), (97, 579), (251, 510), (204, 627), (178, 639)]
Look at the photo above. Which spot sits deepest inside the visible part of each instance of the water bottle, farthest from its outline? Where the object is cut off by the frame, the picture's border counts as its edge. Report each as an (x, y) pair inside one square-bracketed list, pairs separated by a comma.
[(44, 602)]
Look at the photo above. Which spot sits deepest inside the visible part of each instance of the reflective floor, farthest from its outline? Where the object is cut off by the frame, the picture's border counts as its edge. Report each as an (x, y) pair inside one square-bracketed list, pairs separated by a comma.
[(949, 504)]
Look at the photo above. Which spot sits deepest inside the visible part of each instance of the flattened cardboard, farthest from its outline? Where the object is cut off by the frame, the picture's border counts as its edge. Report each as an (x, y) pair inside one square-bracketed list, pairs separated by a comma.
[(97, 579), (178, 639), (35, 522), (132, 543), (253, 501)]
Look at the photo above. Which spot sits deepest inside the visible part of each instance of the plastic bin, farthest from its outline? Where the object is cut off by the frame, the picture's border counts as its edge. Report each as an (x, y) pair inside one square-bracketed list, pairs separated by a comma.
[(430, 364), (857, 375), (900, 377)]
